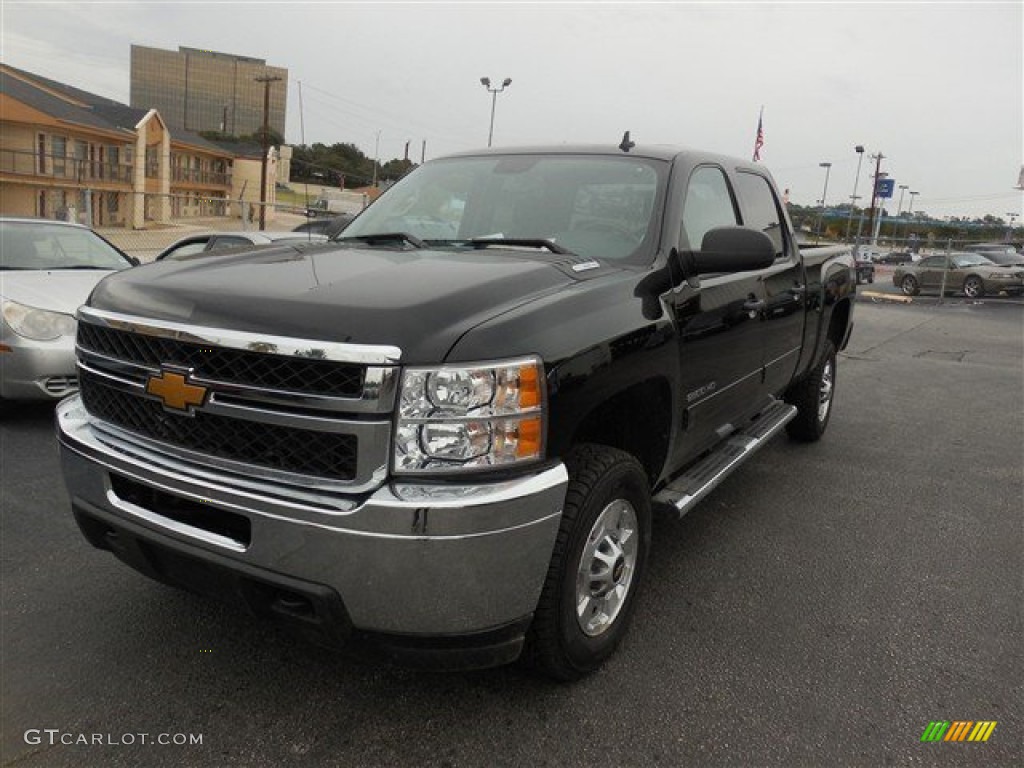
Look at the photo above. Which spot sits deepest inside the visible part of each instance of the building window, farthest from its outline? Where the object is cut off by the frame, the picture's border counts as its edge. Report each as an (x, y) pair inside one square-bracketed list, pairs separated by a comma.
[(113, 200), (59, 147), (42, 160)]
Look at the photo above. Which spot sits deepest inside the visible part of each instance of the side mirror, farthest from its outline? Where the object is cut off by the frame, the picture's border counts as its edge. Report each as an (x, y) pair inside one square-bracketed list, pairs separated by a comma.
[(730, 249), (134, 260)]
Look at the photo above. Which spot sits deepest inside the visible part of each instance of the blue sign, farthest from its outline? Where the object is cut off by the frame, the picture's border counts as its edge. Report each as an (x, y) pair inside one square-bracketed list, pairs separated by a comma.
[(884, 187)]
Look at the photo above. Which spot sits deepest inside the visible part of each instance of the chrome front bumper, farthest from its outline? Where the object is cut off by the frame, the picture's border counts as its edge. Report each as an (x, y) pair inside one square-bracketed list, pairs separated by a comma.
[(406, 559)]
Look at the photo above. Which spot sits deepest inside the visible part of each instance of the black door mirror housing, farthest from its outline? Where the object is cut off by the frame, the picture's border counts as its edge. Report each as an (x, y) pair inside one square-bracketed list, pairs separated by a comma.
[(730, 249)]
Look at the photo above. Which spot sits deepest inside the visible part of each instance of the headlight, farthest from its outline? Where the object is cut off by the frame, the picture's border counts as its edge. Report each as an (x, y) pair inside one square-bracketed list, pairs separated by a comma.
[(456, 418), (37, 324)]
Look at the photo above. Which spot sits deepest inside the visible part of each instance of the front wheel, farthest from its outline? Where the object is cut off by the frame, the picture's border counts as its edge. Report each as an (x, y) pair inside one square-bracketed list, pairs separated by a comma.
[(813, 399), (973, 287), (909, 286), (599, 558)]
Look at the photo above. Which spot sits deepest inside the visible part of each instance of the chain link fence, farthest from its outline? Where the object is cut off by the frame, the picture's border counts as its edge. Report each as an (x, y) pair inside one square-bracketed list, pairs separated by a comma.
[(190, 215)]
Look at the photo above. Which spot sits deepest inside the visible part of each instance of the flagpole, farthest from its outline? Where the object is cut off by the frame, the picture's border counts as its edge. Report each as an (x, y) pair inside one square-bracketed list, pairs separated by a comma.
[(759, 137)]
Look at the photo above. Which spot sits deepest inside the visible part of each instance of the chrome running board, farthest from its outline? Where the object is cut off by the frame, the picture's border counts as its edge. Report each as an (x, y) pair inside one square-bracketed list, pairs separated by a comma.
[(704, 476)]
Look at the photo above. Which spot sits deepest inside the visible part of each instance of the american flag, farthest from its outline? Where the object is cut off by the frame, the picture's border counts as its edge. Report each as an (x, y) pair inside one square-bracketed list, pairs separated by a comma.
[(759, 141)]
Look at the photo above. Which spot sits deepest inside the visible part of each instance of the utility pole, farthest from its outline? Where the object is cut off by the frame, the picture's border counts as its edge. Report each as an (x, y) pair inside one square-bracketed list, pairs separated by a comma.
[(266, 80)]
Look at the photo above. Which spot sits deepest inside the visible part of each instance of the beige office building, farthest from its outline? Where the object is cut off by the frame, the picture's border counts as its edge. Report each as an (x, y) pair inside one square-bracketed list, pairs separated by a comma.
[(198, 90)]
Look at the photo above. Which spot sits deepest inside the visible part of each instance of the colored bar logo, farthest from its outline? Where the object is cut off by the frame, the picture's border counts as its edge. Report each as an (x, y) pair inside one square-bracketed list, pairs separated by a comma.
[(958, 730)]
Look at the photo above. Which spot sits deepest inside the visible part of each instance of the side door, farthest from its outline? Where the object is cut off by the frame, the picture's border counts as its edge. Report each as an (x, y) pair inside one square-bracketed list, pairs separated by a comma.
[(783, 286), (717, 325), (929, 272)]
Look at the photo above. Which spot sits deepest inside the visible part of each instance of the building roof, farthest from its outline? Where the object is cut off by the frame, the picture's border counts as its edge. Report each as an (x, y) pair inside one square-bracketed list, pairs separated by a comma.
[(59, 103), (73, 105)]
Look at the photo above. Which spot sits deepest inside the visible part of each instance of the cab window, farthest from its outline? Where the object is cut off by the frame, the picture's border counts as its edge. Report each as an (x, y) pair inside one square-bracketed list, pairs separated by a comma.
[(761, 209), (708, 204)]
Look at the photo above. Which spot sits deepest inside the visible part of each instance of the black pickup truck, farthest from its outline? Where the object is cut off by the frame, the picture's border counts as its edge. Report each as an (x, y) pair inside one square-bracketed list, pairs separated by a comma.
[(442, 434)]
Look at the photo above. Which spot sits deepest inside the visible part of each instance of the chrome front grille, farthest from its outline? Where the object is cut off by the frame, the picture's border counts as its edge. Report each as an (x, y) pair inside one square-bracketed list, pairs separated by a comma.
[(253, 368), (288, 449), (300, 412)]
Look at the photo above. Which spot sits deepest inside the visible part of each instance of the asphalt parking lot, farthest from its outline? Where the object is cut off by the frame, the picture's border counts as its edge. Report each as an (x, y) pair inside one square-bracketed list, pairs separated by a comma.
[(819, 609)]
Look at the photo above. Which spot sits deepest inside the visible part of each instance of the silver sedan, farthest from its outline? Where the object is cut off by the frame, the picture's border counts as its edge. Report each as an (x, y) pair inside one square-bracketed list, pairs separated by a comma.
[(47, 270)]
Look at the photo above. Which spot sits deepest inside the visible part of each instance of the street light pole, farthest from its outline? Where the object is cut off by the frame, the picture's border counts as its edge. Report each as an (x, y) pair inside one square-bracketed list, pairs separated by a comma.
[(824, 194), (853, 198), (486, 83), (875, 216), (1009, 230), (899, 209), (910, 209)]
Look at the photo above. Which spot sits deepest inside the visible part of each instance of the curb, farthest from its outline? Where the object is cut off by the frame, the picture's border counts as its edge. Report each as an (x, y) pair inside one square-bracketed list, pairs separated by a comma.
[(876, 296)]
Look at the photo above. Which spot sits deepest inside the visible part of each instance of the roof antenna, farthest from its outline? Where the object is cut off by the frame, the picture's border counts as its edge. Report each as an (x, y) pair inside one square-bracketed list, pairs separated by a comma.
[(626, 144)]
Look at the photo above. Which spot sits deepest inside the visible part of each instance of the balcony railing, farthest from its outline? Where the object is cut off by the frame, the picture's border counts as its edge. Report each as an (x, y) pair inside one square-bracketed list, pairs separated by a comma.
[(202, 177), (73, 169), (25, 163)]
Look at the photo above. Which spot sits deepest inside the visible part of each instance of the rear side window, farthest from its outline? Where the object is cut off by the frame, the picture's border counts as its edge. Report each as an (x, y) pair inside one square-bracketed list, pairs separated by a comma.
[(708, 205), (761, 209), (228, 241)]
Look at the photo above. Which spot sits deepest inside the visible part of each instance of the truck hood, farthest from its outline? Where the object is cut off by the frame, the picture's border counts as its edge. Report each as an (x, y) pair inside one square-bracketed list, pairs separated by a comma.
[(420, 301)]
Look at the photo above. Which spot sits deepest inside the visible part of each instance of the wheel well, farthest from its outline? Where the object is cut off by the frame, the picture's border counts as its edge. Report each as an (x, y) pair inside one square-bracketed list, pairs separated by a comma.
[(838, 324), (637, 421)]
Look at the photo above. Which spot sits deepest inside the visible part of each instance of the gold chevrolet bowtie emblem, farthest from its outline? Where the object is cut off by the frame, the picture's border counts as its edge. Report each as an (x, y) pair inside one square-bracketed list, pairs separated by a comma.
[(176, 393)]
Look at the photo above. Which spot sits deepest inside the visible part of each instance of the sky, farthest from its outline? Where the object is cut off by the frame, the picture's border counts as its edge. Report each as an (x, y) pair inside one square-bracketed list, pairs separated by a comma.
[(935, 87)]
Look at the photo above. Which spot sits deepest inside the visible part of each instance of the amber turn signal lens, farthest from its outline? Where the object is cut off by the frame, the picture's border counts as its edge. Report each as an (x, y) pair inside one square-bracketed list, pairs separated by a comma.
[(529, 387), (528, 445)]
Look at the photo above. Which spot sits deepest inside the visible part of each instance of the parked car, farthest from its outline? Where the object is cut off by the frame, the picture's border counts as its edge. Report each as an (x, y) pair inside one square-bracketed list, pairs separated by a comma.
[(994, 249), (896, 257), (217, 241), (865, 269), (972, 273), (49, 270), (1005, 258), (328, 227)]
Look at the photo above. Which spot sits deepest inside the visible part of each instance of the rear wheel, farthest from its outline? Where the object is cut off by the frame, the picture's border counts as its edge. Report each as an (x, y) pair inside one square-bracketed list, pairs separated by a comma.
[(909, 286), (599, 558), (974, 288), (813, 399)]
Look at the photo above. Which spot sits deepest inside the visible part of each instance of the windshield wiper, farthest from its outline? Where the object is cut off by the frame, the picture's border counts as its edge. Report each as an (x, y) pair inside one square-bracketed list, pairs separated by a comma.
[(385, 237), (520, 242)]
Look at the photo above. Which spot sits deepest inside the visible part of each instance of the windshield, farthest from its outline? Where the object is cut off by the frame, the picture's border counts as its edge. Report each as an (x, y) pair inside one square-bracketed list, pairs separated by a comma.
[(594, 206), (41, 245), (971, 260), (1005, 259)]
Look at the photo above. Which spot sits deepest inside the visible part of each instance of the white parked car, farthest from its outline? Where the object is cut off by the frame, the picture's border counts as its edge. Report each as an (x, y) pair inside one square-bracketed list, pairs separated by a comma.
[(47, 270), (217, 241)]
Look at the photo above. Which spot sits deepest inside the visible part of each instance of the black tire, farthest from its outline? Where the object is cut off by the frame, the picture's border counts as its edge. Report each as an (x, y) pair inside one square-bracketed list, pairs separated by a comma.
[(871, 279), (603, 482), (974, 288), (813, 398), (909, 286)]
